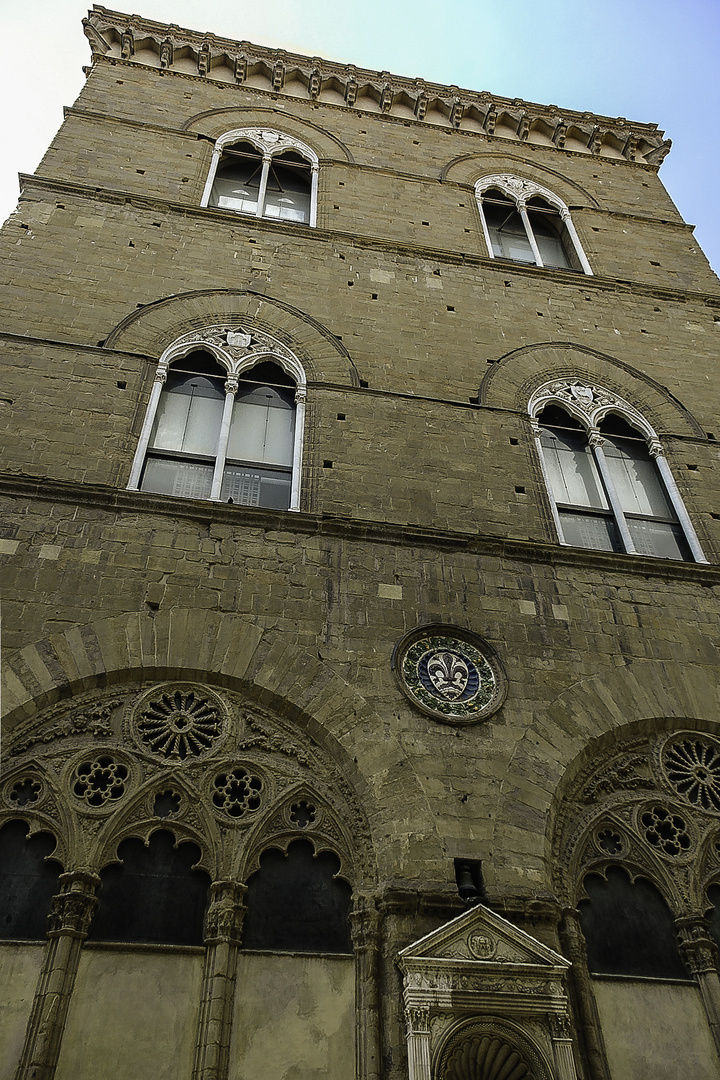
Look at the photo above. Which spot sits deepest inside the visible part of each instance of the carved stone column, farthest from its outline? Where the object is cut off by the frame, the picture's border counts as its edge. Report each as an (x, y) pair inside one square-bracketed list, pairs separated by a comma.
[(364, 927), (701, 956), (573, 943), (68, 924), (560, 1030), (417, 1018), (223, 929)]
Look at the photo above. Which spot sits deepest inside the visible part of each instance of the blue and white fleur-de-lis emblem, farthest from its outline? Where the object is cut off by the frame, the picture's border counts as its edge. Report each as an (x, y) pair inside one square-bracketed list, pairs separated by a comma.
[(449, 673)]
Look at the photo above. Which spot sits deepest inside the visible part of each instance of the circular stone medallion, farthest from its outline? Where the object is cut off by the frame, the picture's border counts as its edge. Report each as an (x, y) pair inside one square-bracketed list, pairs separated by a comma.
[(450, 674)]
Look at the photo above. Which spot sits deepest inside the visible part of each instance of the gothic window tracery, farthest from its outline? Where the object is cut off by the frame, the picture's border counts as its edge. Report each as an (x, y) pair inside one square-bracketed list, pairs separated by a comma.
[(265, 174), (28, 880), (610, 486), (526, 223), (636, 856), (158, 824), (224, 422)]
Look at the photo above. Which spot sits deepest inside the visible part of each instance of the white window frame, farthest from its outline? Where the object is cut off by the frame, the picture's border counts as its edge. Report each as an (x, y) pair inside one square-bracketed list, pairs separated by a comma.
[(589, 405), (241, 350), (520, 191), (269, 144)]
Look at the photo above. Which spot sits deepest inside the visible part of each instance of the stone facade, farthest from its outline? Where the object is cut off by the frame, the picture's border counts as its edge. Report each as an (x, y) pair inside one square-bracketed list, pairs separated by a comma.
[(232, 676)]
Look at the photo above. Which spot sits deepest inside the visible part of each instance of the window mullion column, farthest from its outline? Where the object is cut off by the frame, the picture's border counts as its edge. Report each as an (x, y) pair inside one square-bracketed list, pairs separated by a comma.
[(211, 176), (530, 235), (595, 441), (144, 440), (546, 477), (313, 193), (656, 451), (485, 229), (263, 185), (231, 387), (300, 393), (568, 223)]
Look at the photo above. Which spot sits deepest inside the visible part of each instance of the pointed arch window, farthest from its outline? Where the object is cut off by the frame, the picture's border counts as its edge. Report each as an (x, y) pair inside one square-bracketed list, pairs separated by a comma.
[(264, 174), (610, 486), (527, 223), (222, 430)]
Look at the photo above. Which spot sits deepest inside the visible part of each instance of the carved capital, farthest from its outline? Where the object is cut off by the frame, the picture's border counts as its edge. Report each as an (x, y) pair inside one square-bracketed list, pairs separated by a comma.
[(225, 914), (72, 909), (417, 1020), (698, 948), (560, 1026)]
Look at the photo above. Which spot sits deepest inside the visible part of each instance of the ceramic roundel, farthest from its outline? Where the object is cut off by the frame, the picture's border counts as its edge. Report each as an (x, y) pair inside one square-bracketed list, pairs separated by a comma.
[(450, 674)]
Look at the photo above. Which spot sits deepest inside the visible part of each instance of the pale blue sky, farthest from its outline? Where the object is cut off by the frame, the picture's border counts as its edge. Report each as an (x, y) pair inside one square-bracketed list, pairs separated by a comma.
[(647, 60)]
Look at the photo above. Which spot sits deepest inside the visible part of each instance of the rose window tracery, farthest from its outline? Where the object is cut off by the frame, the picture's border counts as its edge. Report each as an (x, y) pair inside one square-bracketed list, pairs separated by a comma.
[(237, 793), (100, 781), (609, 841), (302, 814), (179, 724), (692, 767), (24, 792), (166, 804), (665, 831)]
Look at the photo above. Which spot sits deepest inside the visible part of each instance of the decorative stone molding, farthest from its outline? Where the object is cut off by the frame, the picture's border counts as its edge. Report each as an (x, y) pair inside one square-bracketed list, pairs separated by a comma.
[(261, 782), (112, 35), (589, 404), (449, 673), (72, 909), (515, 995), (652, 804)]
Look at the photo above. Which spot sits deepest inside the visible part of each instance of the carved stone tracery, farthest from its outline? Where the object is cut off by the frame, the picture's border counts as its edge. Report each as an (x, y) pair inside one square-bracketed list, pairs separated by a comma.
[(111, 35), (207, 762)]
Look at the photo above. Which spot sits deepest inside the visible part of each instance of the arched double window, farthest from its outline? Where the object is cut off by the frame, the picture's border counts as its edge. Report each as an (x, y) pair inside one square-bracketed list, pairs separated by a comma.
[(264, 174), (610, 485), (224, 423), (527, 223)]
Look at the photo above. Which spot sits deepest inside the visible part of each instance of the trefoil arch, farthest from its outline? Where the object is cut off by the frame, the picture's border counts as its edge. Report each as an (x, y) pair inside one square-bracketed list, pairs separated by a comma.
[(607, 476), (265, 174), (526, 222), (213, 446)]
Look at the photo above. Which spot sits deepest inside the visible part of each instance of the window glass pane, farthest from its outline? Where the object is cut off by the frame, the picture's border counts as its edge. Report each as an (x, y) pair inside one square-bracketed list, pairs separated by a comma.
[(573, 474), (203, 426), (635, 477), (547, 238), (170, 422), (590, 531), (186, 479), (189, 415), (232, 193), (659, 538), (262, 426), (237, 180), (287, 195), (507, 232), (248, 486)]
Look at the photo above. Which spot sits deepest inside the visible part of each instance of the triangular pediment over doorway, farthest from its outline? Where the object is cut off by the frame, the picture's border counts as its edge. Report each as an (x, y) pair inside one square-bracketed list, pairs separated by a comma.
[(479, 980), (481, 936)]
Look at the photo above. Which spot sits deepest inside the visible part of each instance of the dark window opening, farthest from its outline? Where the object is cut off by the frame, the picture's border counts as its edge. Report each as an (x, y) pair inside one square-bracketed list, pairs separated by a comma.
[(296, 902), (28, 881), (154, 894), (628, 928)]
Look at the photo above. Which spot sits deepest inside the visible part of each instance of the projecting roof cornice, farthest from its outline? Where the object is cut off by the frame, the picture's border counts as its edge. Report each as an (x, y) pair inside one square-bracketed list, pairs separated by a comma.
[(115, 35)]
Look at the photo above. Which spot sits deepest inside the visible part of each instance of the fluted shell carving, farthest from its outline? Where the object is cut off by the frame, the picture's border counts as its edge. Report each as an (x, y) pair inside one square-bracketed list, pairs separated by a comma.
[(482, 1057)]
